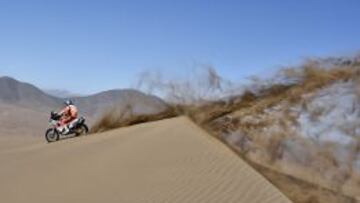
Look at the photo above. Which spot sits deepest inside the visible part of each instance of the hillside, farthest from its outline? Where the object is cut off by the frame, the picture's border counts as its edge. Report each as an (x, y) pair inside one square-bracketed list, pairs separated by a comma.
[(316, 140), (303, 123), (300, 129), (61, 93), (25, 108), (140, 103), (145, 163), (24, 94), (22, 121)]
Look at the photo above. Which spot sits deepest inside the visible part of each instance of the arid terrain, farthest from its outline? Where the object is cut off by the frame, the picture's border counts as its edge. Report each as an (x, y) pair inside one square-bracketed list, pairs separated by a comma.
[(25, 109), (291, 138), (298, 128), (166, 161)]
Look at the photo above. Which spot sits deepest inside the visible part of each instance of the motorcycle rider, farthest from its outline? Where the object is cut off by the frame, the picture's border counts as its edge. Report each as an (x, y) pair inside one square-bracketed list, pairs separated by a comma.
[(68, 114)]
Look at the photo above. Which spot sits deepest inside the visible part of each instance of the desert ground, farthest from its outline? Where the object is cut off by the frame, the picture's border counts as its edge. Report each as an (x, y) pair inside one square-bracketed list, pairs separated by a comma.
[(166, 161)]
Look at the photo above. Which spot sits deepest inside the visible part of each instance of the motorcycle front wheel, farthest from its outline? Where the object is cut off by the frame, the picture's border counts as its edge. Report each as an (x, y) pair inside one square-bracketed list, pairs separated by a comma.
[(51, 135)]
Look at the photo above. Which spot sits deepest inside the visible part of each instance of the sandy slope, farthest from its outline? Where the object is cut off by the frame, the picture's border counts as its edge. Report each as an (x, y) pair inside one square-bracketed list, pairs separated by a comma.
[(16, 120), (166, 161)]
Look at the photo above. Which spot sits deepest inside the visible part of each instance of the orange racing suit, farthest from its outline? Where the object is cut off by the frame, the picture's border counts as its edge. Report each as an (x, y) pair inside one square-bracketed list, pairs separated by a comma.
[(68, 114)]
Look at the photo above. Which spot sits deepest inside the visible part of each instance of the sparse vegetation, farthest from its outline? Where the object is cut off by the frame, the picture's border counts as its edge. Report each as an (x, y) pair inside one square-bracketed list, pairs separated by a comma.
[(117, 118), (262, 124)]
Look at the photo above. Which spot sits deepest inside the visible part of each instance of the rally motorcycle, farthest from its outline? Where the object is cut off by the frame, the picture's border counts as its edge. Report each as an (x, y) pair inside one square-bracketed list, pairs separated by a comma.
[(78, 127)]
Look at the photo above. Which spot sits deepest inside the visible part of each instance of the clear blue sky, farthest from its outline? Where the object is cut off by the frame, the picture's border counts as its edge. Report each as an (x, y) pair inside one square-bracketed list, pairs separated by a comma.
[(87, 46)]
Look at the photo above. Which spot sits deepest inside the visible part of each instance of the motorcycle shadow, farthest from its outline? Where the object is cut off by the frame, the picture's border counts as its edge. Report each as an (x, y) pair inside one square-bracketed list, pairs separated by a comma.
[(66, 137)]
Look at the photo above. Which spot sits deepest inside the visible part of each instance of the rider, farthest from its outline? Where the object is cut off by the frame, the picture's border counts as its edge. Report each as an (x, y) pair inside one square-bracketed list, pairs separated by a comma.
[(68, 114)]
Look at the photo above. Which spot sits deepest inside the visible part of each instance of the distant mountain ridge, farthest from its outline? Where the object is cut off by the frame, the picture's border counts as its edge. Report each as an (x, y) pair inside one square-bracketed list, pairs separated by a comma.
[(61, 93), (140, 102), (15, 92), (16, 97)]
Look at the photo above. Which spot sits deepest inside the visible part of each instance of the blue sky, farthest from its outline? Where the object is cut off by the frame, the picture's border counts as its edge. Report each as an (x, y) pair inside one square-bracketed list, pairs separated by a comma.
[(87, 46)]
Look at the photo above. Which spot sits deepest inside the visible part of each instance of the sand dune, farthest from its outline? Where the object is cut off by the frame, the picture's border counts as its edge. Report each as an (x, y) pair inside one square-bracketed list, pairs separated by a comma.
[(166, 161)]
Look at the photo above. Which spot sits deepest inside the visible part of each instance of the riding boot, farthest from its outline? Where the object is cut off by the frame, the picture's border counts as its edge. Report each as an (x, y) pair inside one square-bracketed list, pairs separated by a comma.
[(65, 130)]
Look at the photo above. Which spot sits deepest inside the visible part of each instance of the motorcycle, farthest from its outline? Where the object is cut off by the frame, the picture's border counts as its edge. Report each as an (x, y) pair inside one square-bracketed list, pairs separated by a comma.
[(78, 127)]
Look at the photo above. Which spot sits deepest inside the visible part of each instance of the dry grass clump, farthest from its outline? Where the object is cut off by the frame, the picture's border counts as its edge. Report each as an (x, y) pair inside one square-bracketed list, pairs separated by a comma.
[(186, 97), (116, 118), (211, 102), (207, 96), (203, 85), (300, 191), (258, 139), (290, 85), (312, 77)]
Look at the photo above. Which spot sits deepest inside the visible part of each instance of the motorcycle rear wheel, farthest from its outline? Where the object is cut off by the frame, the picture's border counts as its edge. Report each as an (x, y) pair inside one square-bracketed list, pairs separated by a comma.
[(82, 130), (51, 135)]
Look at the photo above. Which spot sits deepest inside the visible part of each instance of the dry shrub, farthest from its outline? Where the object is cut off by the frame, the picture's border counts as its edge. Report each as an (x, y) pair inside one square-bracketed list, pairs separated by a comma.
[(290, 86), (314, 75), (110, 117), (357, 86), (294, 84), (207, 98), (299, 190), (275, 146), (270, 146), (115, 118), (204, 85), (183, 97)]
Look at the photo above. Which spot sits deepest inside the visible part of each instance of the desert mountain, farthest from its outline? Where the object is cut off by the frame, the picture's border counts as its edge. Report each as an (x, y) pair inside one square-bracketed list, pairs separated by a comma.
[(140, 103), (27, 106), (24, 94), (61, 93)]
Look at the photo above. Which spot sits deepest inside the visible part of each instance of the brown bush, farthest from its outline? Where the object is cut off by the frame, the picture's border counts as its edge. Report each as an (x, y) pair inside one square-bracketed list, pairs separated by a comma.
[(117, 118), (206, 101)]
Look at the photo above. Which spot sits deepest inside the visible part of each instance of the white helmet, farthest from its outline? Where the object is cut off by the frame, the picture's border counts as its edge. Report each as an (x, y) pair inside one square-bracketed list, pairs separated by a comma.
[(68, 102)]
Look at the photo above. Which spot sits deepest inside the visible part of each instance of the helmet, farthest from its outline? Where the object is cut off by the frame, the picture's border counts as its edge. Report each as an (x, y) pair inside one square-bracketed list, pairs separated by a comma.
[(68, 102)]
